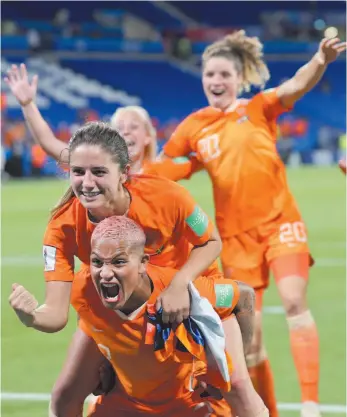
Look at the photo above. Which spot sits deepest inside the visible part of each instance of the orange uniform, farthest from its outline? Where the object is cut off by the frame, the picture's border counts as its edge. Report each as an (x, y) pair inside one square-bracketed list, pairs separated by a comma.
[(170, 218), (145, 385), (174, 169), (256, 214)]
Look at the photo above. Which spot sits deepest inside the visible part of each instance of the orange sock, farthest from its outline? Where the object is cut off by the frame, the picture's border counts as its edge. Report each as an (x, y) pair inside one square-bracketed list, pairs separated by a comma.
[(305, 349), (263, 382)]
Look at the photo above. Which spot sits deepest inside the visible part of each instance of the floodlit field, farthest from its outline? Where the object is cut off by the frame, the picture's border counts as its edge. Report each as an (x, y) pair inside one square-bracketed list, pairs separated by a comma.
[(31, 360)]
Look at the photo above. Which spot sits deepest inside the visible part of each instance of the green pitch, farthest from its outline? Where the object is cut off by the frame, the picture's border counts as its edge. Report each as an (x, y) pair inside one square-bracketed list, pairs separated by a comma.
[(31, 360)]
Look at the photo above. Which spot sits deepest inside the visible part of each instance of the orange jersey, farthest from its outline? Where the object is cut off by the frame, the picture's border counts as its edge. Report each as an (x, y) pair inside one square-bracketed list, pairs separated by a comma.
[(151, 385), (238, 149), (171, 219), (174, 169)]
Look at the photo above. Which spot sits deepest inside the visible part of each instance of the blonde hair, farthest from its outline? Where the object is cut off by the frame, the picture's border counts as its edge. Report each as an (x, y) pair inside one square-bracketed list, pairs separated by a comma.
[(151, 148), (246, 53)]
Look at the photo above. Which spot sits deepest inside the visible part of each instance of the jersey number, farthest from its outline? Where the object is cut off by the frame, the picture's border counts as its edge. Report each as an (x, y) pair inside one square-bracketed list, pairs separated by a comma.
[(209, 148), (293, 232)]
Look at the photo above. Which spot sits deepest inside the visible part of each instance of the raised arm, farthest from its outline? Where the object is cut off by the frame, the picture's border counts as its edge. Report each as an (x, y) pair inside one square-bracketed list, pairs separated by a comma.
[(51, 316), (25, 93), (310, 74)]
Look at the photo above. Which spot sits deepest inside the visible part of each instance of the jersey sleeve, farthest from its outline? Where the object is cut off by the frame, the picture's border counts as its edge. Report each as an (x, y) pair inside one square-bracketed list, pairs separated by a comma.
[(222, 293), (191, 221), (271, 104), (179, 143), (175, 169), (59, 248)]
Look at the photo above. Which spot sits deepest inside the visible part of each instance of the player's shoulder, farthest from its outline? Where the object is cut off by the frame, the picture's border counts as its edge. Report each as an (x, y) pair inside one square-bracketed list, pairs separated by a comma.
[(67, 213), (152, 185), (203, 114), (263, 95), (199, 116), (161, 276)]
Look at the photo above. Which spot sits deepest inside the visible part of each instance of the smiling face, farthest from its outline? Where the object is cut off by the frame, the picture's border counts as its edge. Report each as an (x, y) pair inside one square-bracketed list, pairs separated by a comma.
[(135, 132), (118, 271), (95, 177), (221, 82)]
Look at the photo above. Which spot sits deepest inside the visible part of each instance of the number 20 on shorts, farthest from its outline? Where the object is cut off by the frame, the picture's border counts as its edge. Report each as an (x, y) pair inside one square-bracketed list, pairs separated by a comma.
[(293, 233)]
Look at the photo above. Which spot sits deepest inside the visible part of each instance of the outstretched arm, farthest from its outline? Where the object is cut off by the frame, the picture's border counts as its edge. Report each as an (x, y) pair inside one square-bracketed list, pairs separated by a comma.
[(310, 74), (25, 93), (245, 313)]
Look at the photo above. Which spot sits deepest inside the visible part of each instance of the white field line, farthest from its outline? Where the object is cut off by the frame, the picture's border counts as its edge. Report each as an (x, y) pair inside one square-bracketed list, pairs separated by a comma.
[(36, 397), (25, 261)]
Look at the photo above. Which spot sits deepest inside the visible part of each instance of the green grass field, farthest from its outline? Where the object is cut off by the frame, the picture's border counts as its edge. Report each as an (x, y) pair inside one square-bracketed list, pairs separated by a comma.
[(31, 360)]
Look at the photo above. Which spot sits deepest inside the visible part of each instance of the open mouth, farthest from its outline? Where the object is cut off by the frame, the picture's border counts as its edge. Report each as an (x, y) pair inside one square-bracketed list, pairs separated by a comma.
[(217, 93), (130, 143), (110, 292)]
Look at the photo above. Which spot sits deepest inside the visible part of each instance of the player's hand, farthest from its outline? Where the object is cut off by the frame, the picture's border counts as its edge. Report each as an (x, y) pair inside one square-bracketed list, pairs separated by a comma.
[(204, 390), (330, 49), (107, 379), (202, 393), (18, 81), (23, 303), (175, 302), (342, 165)]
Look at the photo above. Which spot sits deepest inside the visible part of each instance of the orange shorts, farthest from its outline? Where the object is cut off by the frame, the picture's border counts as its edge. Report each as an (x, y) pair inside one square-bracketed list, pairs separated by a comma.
[(119, 405), (279, 246)]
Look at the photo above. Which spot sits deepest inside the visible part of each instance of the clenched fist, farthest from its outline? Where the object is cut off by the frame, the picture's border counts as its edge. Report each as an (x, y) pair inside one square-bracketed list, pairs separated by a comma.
[(23, 303)]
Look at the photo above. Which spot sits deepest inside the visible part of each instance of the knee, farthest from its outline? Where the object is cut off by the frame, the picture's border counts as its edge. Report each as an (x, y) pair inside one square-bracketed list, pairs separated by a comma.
[(292, 290), (294, 304)]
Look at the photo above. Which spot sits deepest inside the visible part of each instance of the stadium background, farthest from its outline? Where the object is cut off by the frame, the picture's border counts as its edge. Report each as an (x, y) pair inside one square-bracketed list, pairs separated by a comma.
[(92, 57)]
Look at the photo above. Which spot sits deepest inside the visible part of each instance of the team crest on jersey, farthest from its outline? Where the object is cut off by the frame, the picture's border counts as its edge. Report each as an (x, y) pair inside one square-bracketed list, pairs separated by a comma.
[(49, 256), (198, 221)]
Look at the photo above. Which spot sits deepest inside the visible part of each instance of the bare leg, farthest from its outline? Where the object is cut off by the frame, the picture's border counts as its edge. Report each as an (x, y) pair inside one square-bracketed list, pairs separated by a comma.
[(243, 398), (79, 377)]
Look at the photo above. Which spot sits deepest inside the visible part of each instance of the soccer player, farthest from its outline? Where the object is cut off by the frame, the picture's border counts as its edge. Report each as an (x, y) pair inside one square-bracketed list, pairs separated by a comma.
[(257, 217), (178, 232), (342, 165), (153, 378), (132, 122)]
